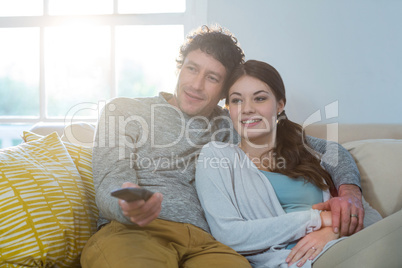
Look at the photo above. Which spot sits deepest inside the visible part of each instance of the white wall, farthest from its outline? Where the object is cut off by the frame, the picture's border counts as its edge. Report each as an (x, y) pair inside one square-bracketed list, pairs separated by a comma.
[(344, 51)]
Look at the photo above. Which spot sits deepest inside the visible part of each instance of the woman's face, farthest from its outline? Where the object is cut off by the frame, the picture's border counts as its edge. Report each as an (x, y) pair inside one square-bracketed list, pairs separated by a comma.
[(253, 109)]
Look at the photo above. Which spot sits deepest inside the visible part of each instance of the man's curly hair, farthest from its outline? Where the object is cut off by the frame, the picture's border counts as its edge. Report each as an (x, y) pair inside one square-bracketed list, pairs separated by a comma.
[(216, 41)]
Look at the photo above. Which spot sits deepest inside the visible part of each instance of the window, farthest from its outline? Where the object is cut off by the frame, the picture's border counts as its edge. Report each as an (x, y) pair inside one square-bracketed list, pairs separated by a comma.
[(60, 58)]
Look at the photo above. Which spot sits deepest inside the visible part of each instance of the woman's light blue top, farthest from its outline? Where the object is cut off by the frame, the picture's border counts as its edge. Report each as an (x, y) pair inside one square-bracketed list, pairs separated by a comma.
[(294, 194)]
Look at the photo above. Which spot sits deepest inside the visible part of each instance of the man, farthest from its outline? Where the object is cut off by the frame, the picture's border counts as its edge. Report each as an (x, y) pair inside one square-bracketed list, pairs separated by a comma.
[(153, 143)]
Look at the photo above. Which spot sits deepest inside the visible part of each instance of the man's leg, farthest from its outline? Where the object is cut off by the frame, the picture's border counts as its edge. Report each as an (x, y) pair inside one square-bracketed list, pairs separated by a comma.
[(205, 251), (375, 246), (120, 246)]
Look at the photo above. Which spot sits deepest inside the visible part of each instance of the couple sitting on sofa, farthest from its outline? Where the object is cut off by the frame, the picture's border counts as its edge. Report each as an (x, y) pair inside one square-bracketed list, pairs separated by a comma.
[(260, 209)]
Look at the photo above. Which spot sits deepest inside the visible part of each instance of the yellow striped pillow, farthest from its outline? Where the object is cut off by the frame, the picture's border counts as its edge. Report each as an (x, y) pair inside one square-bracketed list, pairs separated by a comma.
[(46, 216), (82, 158)]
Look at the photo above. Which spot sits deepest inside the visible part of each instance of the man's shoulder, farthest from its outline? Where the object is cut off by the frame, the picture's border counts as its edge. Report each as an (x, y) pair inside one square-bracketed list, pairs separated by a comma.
[(221, 118), (131, 101), (221, 121), (132, 104), (220, 111)]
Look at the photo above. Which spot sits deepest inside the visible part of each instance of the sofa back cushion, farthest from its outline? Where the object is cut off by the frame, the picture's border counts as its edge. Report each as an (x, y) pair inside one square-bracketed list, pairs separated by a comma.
[(379, 163), (343, 133), (79, 133)]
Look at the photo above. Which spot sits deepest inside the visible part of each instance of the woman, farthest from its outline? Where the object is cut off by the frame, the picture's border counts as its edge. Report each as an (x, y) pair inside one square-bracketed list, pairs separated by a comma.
[(258, 195)]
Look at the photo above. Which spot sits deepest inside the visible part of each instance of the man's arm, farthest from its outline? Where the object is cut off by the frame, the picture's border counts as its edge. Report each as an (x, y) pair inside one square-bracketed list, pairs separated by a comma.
[(347, 209), (112, 168)]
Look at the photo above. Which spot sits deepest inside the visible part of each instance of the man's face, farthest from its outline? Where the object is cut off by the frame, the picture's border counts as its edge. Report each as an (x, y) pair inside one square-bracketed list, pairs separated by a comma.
[(200, 84)]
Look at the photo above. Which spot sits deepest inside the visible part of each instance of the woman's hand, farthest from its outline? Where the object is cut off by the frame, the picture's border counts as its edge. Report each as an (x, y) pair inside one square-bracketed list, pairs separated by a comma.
[(310, 246), (326, 218)]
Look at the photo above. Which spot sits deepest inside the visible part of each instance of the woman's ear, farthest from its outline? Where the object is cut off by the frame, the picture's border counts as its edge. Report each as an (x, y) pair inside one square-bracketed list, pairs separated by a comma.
[(281, 106)]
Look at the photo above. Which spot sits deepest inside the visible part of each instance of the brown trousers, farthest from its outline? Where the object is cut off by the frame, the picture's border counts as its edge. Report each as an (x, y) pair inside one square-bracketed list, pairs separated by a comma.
[(159, 244)]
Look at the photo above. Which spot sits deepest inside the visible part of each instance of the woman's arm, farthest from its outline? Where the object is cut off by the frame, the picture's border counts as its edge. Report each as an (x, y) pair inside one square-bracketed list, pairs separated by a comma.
[(218, 198), (326, 219)]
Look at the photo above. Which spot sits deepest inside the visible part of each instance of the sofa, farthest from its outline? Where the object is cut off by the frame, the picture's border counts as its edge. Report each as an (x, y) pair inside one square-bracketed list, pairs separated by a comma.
[(47, 206)]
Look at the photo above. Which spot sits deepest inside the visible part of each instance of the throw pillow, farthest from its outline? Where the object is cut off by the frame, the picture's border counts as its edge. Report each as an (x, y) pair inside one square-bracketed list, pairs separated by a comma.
[(82, 158), (380, 169), (46, 216)]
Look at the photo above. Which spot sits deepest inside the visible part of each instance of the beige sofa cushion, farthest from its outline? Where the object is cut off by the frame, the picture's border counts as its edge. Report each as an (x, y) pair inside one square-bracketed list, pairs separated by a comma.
[(79, 133), (380, 166)]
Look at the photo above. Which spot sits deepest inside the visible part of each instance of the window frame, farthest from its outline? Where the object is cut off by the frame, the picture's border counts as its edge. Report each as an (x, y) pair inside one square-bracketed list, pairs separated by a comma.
[(194, 16)]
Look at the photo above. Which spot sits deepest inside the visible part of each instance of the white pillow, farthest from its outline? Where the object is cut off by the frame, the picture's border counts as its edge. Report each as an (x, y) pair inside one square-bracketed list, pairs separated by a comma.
[(380, 166)]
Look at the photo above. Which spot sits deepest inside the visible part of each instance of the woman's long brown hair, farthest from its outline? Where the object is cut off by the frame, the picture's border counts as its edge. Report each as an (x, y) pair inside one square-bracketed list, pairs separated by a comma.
[(290, 139)]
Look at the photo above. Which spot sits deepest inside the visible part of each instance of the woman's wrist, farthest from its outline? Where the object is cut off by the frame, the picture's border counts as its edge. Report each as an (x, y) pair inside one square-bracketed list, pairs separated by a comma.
[(326, 218)]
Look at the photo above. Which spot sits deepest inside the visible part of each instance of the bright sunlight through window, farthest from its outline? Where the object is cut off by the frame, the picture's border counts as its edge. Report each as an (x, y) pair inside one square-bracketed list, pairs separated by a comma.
[(56, 55)]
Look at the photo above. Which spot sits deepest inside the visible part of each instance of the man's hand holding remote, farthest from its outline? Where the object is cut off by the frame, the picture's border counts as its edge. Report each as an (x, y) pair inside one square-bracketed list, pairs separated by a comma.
[(141, 212)]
